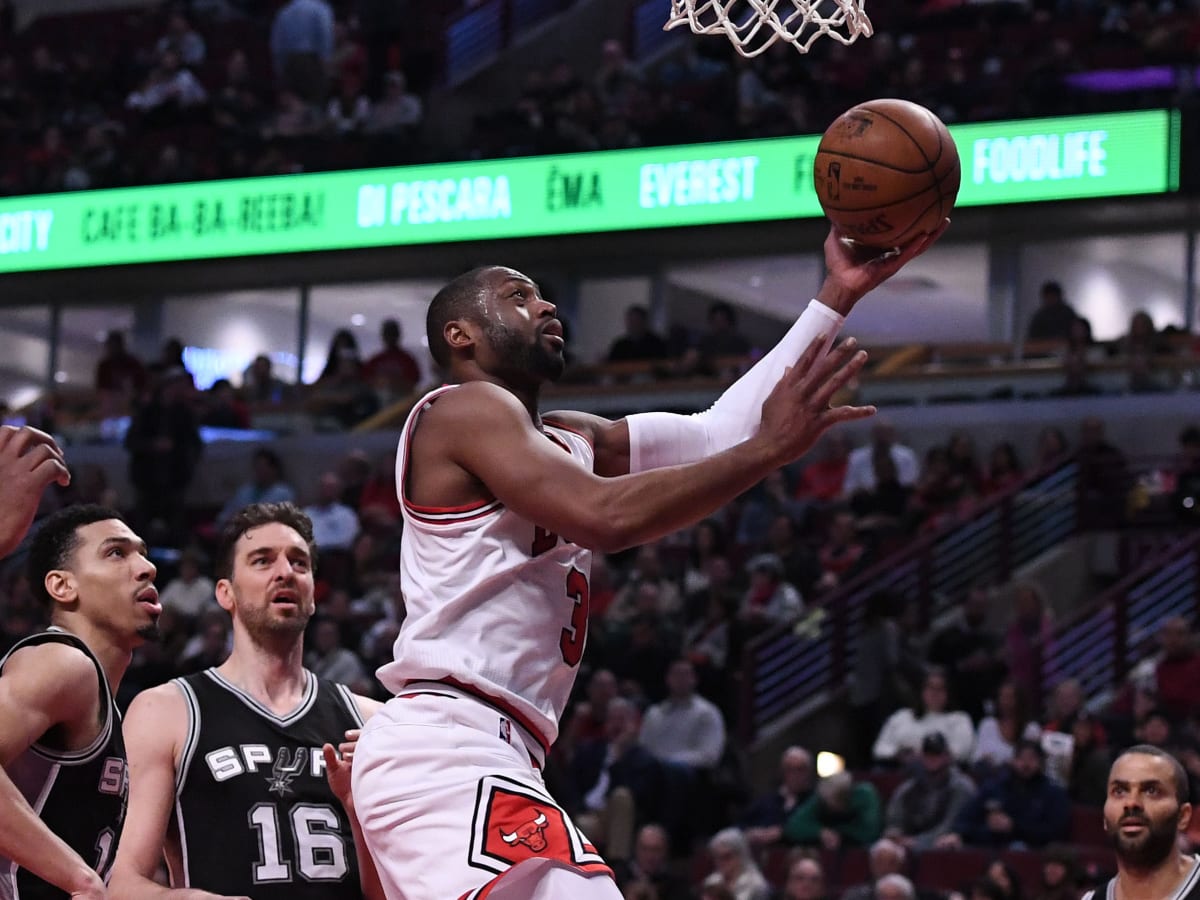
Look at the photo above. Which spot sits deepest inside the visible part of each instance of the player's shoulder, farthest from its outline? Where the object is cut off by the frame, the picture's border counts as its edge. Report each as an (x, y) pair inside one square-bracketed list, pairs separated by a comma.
[(472, 404), (63, 666), (158, 710)]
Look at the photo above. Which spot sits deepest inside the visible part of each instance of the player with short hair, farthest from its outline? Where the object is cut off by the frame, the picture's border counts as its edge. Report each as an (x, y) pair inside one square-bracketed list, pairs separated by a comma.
[(64, 783), (233, 774), (1146, 810), (502, 508)]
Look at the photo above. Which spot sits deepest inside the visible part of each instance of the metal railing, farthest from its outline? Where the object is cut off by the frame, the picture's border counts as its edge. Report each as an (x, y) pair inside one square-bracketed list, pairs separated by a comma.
[(788, 668), (475, 39)]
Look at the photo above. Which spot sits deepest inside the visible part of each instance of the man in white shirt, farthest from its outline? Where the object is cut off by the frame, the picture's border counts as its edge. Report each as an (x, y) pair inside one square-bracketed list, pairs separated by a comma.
[(191, 593), (860, 470), (335, 525), (684, 729)]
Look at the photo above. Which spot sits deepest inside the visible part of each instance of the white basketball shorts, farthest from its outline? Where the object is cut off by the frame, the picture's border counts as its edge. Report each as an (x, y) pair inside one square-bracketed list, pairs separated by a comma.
[(450, 799)]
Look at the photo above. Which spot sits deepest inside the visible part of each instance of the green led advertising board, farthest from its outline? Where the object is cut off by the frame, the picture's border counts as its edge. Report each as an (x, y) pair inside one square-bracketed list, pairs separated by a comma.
[(702, 184)]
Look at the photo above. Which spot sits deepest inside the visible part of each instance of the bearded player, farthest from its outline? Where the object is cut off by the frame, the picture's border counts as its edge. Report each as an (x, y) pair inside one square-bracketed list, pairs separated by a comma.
[(1145, 812), (232, 770), (63, 781), (502, 509)]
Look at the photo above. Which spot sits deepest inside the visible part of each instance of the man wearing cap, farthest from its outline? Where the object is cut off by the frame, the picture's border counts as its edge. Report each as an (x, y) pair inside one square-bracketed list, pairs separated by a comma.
[(926, 806), (769, 600), (1020, 808)]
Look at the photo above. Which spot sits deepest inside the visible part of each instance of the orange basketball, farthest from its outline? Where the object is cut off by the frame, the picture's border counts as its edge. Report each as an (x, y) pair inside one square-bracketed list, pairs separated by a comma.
[(887, 171)]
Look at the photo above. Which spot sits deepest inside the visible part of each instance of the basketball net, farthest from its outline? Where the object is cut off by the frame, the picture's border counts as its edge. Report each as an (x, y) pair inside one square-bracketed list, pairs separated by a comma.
[(754, 26)]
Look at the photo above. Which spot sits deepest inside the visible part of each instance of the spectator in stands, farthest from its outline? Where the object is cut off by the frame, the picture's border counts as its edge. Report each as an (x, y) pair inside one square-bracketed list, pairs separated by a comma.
[(349, 110), (329, 659), (1104, 475), (965, 470), (191, 592), (164, 448), (1004, 877), (840, 813), (170, 92), (651, 866), (707, 641), (685, 729), (209, 647), (1052, 320), (875, 689), (1004, 470), (721, 339), (736, 869), (648, 569), (805, 880), (119, 371), (301, 47), (261, 386), (895, 887), (970, 652), (398, 111), (800, 564), (842, 551), (1022, 807), (1185, 499), (763, 820), (886, 857), (706, 542), (901, 736), (1028, 632), (860, 469), (769, 600), (342, 392), (642, 661), (588, 721), (886, 507), (769, 499), (266, 485), (1067, 704), (1177, 672), (1060, 874), (223, 408), (1052, 445), (618, 782), (393, 366), (821, 480), (335, 525), (1008, 723), (927, 805), (1087, 776), (182, 40), (638, 342)]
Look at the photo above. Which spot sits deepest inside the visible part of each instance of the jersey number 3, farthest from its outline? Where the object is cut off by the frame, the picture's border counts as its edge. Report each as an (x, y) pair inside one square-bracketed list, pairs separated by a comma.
[(574, 636)]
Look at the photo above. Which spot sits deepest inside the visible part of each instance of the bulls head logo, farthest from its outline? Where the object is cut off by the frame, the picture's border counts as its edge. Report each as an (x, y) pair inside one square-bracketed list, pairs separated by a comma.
[(531, 834)]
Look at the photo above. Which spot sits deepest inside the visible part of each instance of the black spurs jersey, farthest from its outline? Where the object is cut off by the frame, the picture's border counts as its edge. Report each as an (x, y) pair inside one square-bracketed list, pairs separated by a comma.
[(255, 814), (1189, 888), (80, 794)]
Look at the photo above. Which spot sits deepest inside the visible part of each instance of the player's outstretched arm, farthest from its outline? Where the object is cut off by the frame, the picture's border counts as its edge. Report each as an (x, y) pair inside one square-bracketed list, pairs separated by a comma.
[(155, 729), (652, 440), (41, 687), (30, 460), (541, 484)]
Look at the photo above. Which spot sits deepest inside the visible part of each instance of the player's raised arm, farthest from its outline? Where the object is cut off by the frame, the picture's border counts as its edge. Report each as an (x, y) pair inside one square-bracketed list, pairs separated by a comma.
[(30, 460), (155, 728), (652, 440), (42, 686), (535, 479)]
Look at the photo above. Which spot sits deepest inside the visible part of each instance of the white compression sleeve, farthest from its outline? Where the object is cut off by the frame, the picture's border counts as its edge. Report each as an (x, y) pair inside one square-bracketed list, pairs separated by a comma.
[(666, 439)]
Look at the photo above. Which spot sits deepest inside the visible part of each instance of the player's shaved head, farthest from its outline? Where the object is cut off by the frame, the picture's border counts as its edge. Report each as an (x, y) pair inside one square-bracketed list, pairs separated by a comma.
[(462, 298)]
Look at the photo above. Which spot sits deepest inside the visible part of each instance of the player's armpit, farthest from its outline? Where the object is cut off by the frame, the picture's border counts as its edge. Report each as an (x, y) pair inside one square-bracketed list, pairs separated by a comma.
[(155, 728), (43, 686), (609, 439)]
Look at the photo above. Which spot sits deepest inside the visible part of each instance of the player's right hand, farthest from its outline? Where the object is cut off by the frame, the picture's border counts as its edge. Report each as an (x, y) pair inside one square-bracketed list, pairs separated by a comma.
[(798, 410), (30, 461), (92, 889)]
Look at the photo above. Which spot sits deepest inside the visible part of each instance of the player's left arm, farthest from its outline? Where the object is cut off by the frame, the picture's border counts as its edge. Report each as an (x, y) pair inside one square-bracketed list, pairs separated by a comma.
[(338, 765), (653, 440)]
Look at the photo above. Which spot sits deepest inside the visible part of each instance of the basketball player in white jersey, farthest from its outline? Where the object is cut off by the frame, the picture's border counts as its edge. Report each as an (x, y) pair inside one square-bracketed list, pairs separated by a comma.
[(63, 782), (502, 509), (233, 777), (1146, 811)]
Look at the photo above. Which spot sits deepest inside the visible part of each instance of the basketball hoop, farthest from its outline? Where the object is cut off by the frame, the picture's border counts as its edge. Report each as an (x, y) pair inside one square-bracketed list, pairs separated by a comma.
[(754, 26)]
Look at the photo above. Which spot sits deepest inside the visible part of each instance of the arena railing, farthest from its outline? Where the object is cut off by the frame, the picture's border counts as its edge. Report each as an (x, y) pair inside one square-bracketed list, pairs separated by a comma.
[(475, 38), (792, 670)]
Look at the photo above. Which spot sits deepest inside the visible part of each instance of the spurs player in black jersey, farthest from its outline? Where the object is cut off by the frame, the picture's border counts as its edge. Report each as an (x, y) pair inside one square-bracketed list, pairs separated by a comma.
[(233, 773), (64, 785), (1146, 810)]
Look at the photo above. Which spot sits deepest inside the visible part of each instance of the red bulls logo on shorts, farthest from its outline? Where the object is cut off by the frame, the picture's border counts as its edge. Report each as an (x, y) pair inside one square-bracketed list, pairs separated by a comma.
[(514, 822), (531, 834)]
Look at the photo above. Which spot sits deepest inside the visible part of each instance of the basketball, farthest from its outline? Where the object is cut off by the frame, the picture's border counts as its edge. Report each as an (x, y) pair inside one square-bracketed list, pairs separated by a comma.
[(886, 172)]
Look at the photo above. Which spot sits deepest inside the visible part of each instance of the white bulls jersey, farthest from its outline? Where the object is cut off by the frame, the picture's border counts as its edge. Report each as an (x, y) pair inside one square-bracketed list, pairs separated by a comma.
[(495, 604)]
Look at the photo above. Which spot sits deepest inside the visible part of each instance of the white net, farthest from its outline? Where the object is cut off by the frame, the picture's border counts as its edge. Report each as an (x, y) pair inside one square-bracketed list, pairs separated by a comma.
[(754, 26)]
